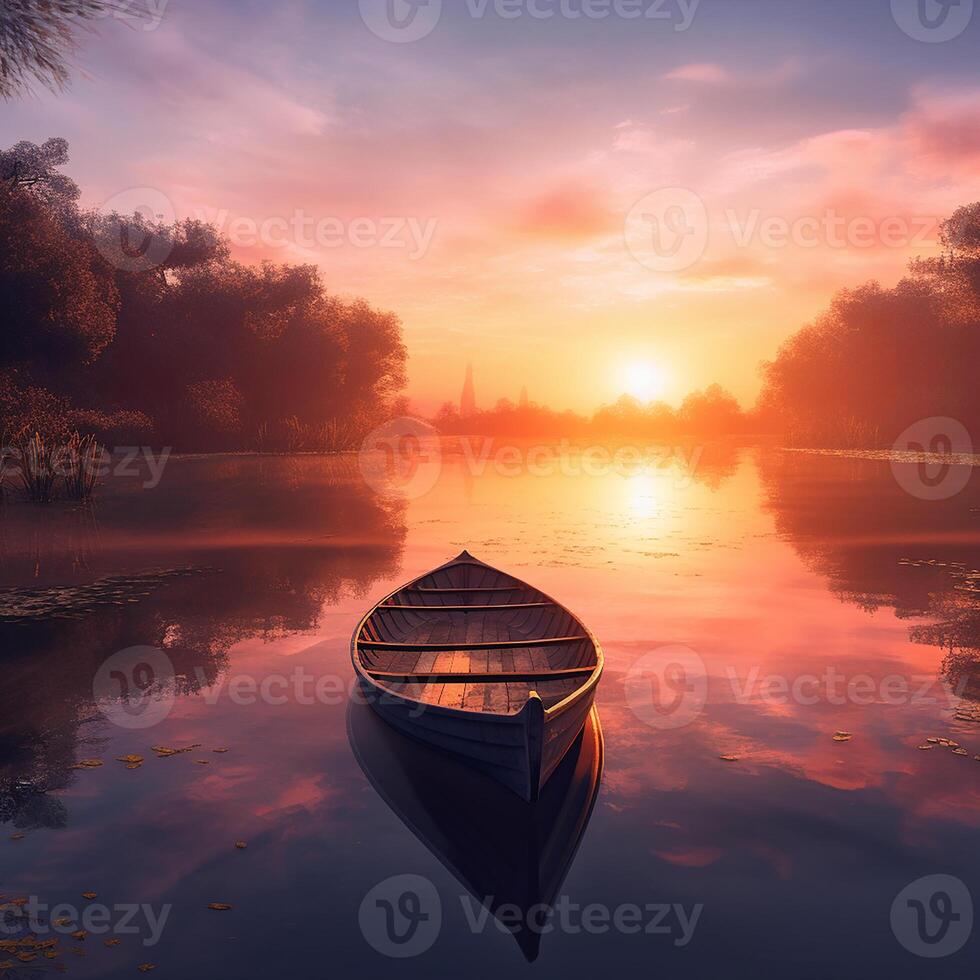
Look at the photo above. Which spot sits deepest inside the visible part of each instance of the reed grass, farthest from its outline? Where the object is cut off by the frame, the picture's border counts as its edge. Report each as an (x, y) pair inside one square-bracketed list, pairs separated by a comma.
[(79, 464), (38, 467)]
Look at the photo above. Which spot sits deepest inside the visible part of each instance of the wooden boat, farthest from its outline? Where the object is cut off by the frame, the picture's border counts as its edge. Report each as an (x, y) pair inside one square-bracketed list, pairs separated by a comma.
[(474, 661), (504, 851)]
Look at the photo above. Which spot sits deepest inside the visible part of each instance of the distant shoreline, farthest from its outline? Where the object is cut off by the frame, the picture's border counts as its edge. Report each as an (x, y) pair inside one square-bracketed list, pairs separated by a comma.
[(893, 455)]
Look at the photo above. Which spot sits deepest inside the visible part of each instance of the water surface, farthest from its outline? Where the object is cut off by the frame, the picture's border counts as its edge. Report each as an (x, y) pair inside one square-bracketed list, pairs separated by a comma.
[(800, 595)]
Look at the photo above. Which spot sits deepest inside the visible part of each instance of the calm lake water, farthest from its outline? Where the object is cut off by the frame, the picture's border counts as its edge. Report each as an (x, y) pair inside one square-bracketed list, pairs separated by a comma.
[(751, 610)]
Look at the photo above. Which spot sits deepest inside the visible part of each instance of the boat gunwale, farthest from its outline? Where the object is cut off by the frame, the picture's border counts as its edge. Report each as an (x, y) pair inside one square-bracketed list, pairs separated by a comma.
[(557, 709)]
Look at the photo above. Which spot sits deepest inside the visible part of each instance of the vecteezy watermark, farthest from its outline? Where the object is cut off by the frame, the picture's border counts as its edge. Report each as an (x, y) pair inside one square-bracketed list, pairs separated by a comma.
[(31, 916), (402, 21), (933, 916), (829, 229), (933, 21), (667, 230), (122, 461), (132, 234), (136, 687), (835, 688), (402, 458), (410, 234), (667, 687), (401, 916), (595, 919), (299, 686), (926, 464)]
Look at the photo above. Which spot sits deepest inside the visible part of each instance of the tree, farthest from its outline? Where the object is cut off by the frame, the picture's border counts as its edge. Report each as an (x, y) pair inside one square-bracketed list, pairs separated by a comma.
[(58, 295), (31, 166), (712, 412), (37, 37)]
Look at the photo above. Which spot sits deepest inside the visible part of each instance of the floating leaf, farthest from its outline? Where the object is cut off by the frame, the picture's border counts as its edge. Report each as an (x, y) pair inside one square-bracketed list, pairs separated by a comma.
[(90, 895), (81, 934), (112, 942), (960, 752), (933, 741), (88, 764), (203, 762), (63, 922), (17, 836), (219, 907), (146, 967), (926, 748), (241, 845), (132, 760), (843, 737), (219, 751)]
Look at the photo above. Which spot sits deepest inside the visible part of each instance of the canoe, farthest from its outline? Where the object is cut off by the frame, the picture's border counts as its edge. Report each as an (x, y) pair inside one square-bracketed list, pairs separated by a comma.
[(478, 663), (505, 852)]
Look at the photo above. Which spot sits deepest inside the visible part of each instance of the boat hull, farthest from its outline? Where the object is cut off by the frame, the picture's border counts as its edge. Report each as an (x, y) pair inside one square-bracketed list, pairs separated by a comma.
[(436, 651), (521, 751)]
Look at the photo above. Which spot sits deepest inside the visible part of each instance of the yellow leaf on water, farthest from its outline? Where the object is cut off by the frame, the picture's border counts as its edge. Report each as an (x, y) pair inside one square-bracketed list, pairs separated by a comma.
[(146, 967), (17, 836), (728, 758), (843, 737), (112, 942), (219, 907), (925, 747), (88, 764), (960, 752), (203, 762), (133, 760), (241, 845), (90, 895), (219, 751)]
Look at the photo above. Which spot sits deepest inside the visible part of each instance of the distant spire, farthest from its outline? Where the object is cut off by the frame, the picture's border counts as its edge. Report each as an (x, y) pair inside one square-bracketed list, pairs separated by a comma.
[(467, 403), (524, 397)]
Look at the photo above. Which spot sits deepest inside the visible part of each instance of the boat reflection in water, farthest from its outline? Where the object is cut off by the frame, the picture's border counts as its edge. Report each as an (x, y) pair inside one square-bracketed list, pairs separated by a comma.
[(505, 851)]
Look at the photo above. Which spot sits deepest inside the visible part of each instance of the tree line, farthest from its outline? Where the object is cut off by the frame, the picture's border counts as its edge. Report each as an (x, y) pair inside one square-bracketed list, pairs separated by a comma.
[(133, 329)]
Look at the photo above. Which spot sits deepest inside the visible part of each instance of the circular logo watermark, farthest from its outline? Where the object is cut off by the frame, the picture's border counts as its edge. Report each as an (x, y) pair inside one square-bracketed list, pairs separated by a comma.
[(400, 21), (401, 458), (401, 916), (129, 236), (933, 479), (933, 21), (668, 687), (667, 231), (933, 917), (135, 688)]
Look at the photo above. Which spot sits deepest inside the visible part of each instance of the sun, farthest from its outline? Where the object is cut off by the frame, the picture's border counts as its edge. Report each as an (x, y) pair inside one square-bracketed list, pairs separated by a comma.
[(644, 381)]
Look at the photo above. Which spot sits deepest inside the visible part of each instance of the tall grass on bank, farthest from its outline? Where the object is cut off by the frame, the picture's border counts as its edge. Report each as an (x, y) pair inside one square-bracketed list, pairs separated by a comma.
[(38, 467), (294, 436), (41, 462), (834, 432), (79, 465)]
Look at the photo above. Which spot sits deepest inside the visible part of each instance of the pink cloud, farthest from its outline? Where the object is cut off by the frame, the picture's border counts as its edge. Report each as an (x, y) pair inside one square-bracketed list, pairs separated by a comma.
[(703, 72)]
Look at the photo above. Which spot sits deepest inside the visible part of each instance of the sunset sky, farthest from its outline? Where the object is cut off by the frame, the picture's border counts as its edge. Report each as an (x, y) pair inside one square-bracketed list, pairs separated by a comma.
[(522, 146)]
